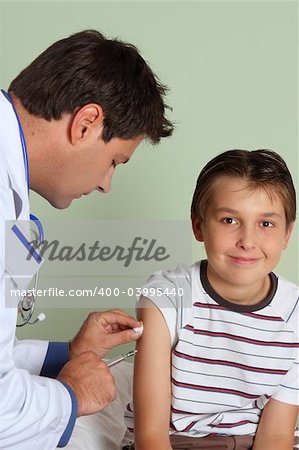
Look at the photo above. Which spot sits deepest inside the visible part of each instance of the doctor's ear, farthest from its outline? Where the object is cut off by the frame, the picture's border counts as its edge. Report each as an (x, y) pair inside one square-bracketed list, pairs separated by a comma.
[(86, 120), (196, 226)]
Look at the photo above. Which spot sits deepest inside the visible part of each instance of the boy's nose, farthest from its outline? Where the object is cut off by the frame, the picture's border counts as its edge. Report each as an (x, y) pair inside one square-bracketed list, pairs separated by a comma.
[(246, 239)]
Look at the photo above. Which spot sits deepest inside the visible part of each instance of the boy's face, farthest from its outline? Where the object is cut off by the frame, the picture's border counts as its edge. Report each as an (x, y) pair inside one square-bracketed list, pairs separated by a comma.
[(244, 233)]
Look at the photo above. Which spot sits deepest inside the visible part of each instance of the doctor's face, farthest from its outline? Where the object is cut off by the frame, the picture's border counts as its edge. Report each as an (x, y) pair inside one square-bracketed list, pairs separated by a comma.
[(88, 167)]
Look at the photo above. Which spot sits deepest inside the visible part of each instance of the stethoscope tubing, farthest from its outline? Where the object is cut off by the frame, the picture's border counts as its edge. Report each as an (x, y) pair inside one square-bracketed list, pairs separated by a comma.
[(29, 313), (26, 166)]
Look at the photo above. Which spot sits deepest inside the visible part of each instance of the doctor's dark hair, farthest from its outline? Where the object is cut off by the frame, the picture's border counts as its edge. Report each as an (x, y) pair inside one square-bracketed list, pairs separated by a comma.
[(261, 169), (88, 68)]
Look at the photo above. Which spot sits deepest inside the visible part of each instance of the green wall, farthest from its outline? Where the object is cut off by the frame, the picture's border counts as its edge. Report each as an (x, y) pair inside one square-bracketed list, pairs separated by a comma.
[(232, 70)]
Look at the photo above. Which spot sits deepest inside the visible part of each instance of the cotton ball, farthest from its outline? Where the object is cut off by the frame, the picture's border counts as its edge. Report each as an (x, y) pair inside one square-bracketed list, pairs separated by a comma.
[(138, 330)]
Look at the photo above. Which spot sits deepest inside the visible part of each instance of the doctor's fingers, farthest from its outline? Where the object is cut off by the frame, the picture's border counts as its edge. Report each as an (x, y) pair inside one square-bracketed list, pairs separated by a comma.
[(121, 337), (102, 331), (91, 381), (113, 320)]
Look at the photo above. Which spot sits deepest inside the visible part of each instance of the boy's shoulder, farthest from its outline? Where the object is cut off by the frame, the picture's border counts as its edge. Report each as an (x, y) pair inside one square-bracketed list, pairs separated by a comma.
[(181, 272), (286, 300)]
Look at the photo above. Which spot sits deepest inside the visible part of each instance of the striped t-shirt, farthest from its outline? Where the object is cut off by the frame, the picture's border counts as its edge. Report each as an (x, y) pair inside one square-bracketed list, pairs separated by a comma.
[(227, 359)]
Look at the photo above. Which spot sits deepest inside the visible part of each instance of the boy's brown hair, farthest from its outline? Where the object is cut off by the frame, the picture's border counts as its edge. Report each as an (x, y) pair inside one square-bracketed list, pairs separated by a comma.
[(263, 169)]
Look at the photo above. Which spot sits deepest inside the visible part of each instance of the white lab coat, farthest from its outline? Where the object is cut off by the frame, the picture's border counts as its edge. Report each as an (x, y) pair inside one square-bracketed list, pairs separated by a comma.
[(34, 410)]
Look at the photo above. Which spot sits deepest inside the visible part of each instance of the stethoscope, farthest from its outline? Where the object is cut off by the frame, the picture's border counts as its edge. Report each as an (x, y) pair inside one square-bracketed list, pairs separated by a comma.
[(26, 305)]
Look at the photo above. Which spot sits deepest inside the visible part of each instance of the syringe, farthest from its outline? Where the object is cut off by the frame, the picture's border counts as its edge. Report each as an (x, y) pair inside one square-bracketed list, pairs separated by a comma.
[(120, 358)]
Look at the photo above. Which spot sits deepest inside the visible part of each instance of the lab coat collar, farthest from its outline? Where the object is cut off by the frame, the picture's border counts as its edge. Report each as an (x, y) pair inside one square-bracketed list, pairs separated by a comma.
[(11, 147)]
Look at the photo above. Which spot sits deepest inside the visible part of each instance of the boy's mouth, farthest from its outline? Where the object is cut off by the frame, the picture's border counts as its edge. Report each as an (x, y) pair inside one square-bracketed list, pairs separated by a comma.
[(243, 260)]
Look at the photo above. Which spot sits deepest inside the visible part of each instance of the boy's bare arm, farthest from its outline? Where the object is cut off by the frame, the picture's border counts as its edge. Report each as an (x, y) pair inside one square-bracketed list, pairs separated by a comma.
[(152, 388), (276, 428)]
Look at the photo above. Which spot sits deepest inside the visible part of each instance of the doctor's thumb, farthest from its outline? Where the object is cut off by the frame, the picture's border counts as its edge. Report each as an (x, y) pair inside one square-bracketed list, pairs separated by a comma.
[(125, 336)]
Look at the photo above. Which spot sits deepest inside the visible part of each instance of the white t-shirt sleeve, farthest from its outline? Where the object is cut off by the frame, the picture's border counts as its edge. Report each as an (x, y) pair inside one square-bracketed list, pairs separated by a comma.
[(170, 291), (288, 389)]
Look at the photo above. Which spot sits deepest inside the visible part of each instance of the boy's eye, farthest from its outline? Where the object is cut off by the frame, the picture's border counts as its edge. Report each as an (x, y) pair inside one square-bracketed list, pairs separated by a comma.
[(267, 224), (229, 220)]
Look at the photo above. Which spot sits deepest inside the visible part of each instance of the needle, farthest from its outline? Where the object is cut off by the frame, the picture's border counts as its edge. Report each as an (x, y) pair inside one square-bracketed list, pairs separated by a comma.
[(120, 358)]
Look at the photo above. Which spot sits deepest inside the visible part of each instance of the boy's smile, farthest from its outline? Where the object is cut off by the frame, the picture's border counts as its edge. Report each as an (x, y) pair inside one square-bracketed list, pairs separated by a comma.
[(244, 233)]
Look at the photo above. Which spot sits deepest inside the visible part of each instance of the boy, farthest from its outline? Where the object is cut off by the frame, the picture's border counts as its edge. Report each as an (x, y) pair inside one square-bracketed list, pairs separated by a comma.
[(217, 365)]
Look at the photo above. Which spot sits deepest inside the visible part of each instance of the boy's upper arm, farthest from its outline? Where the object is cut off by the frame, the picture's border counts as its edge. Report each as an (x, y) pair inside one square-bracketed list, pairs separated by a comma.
[(277, 424), (152, 391)]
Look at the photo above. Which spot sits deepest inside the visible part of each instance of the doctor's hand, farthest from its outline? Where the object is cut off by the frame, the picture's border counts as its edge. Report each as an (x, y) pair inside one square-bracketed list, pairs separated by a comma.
[(102, 331), (91, 381)]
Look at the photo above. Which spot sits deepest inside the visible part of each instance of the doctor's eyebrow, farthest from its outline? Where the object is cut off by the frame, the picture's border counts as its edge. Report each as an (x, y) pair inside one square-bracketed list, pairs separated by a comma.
[(122, 158)]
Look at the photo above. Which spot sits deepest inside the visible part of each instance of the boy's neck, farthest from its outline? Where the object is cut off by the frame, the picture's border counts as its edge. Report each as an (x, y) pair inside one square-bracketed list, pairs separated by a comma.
[(240, 295)]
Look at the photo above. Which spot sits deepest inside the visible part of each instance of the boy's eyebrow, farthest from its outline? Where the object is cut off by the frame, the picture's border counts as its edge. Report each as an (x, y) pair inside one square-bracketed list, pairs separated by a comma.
[(228, 210), (272, 214), (235, 211)]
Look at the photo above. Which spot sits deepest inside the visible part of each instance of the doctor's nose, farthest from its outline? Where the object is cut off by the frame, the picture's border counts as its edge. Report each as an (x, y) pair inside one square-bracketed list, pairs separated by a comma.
[(246, 240), (105, 184)]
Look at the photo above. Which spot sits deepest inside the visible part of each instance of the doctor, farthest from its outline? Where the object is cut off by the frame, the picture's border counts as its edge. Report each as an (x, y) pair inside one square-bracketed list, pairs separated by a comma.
[(68, 119)]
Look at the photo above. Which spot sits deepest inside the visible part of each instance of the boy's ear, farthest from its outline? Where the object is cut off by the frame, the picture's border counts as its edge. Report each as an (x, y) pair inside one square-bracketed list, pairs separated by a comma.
[(288, 235), (197, 229)]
